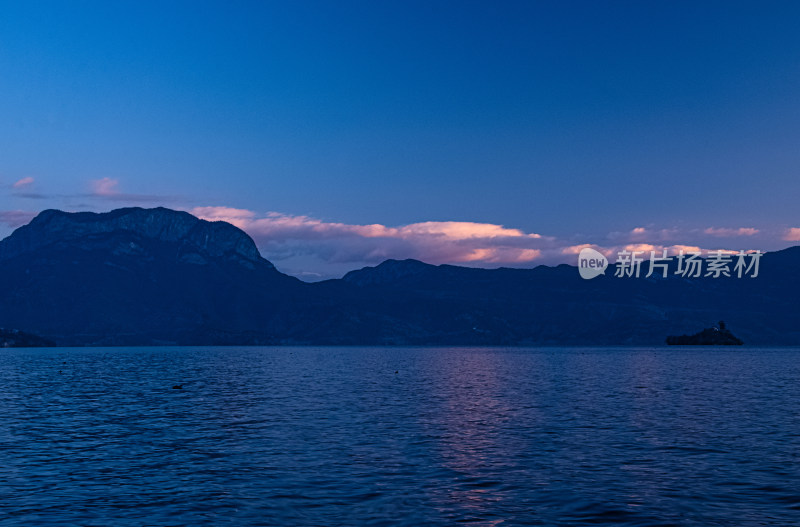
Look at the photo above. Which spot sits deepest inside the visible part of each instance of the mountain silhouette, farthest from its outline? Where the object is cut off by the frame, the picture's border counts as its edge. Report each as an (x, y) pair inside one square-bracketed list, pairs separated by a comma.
[(138, 276)]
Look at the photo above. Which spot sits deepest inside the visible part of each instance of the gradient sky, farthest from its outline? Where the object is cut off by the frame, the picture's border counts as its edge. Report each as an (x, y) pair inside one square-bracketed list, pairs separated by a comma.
[(480, 133)]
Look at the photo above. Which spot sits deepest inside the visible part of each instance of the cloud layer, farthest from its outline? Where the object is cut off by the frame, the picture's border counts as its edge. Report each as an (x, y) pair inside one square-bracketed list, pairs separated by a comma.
[(282, 237)]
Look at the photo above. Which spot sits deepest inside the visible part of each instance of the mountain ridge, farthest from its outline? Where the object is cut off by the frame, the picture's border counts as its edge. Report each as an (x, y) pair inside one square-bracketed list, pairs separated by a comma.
[(155, 276), (162, 224)]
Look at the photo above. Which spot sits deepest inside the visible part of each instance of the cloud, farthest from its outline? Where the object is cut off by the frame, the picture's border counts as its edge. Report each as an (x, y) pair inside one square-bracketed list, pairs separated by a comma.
[(792, 234), (22, 183), (22, 188), (644, 234), (284, 236), (108, 189), (309, 245), (105, 187), (222, 213), (686, 248), (641, 247), (729, 233), (16, 218)]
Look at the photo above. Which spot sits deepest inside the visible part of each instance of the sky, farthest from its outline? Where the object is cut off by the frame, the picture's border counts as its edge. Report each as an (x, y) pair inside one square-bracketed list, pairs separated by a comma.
[(339, 134)]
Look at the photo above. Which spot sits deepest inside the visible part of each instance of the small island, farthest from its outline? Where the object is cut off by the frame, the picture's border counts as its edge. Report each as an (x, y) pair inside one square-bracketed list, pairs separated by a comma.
[(713, 336), (14, 338)]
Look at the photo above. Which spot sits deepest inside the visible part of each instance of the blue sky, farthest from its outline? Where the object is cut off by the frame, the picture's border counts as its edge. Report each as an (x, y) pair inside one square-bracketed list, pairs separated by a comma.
[(478, 133)]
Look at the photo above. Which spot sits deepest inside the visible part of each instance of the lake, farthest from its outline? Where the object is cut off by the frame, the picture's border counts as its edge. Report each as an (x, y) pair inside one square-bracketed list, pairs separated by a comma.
[(400, 436)]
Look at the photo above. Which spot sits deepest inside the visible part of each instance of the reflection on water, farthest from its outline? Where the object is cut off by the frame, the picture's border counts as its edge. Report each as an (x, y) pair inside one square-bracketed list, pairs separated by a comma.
[(472, 411), (373, 436)]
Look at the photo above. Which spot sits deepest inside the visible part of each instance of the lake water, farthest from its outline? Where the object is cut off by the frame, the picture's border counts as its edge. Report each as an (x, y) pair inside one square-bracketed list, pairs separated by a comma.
[(400, 436)]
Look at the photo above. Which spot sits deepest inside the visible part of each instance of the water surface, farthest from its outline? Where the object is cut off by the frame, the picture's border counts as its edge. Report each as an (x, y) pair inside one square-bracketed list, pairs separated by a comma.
[(400, 436)]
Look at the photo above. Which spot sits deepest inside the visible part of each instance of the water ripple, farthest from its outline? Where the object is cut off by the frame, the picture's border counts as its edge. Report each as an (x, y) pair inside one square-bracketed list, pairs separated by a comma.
[(395, 436)]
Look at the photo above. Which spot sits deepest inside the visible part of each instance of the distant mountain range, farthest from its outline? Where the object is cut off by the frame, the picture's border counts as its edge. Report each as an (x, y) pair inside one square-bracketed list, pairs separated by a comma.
[(138, 276)]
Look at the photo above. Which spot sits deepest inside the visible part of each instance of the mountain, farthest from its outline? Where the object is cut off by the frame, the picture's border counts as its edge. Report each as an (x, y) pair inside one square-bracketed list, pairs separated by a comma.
[(138, 276), (15, 338), (553, 305)]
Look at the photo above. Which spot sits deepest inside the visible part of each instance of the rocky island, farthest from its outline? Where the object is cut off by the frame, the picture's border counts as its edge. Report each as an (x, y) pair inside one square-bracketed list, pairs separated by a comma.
[(713, 336)]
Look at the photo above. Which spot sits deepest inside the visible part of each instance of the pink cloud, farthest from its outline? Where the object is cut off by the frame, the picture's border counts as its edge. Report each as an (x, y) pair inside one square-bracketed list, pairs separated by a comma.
[(686, 248), (222, 213), (792, 234), (644, 234), (462, 230), (105, 187), (728, 233), (282, 235), (108, 189), (22, 183), (572, 251), (15, 218), (641, 247)]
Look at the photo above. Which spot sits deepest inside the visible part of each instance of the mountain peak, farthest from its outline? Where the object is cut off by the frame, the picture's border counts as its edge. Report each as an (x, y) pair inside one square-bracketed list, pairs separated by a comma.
[(193, 235), (387, 272)]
